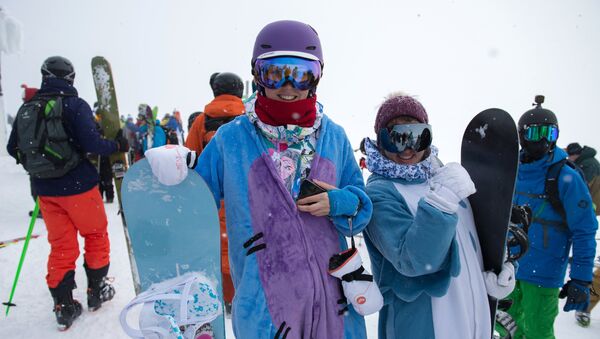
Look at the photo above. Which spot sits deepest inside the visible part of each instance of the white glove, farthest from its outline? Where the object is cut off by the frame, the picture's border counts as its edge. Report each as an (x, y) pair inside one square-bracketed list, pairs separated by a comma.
[(449, 185), (358, 285), (499, 286), (170, 163)]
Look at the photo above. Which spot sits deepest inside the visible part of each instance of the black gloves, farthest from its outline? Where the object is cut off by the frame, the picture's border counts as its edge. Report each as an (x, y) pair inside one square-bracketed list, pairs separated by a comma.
[(122, 143), (577, 293)]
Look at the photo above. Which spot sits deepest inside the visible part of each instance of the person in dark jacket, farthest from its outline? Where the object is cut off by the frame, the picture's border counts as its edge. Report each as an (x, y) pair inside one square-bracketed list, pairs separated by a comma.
[(553, 232), (72, 204), (584, 157), (102, 163)]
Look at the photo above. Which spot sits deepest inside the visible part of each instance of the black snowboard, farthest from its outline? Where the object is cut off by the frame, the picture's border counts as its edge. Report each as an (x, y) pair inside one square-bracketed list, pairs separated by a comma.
[(490, 153)]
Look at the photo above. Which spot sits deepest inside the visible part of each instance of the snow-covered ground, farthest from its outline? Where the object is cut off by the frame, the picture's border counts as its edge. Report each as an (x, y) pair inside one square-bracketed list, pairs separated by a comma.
[(33, 317)]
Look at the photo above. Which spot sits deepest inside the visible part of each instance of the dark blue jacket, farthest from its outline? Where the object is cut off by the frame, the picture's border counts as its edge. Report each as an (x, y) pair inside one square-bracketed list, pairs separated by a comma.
[(79, 124), (545, 263)]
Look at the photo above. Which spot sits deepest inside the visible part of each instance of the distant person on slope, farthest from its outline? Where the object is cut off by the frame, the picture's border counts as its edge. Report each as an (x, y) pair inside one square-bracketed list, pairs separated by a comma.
[(227, 104), (584, 157), (66, 183)]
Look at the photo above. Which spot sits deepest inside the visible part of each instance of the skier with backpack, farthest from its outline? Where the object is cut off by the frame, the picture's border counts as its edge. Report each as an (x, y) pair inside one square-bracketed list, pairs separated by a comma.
[(52, 133), (226, 105), (562, 217)]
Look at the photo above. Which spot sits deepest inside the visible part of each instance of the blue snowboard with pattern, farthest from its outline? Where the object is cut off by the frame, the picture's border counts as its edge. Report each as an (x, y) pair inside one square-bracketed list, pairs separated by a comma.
[(173, 229)]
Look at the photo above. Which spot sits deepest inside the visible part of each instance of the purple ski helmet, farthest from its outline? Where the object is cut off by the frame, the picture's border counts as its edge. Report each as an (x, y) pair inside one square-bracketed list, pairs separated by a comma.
[(288, 38)]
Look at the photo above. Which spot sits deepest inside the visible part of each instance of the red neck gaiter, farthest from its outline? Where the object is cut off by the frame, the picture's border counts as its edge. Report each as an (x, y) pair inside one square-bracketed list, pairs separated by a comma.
[(278, 113)]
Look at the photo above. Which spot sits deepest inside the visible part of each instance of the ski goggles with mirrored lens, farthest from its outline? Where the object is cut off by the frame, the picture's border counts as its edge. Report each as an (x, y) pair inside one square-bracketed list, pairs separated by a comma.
[(273, 73), (538, 132), (398, 138)]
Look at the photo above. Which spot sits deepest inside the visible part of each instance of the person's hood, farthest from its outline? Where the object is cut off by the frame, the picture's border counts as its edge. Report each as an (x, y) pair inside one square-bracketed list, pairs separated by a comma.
[(57, 86), (224, 105), (587, 153)]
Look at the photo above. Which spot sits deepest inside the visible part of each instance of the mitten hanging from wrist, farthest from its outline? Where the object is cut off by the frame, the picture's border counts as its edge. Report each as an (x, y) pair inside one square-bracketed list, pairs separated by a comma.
[(359, 288)]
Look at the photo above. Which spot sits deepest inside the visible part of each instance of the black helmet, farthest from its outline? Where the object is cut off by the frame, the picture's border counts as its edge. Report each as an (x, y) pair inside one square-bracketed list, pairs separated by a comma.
[(58, 67), (212, 79), (227, 83), (537, 116)]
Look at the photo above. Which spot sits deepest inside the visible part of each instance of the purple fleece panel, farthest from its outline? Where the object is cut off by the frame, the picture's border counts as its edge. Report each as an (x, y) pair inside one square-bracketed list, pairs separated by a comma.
[(324, 240), (293, 266)]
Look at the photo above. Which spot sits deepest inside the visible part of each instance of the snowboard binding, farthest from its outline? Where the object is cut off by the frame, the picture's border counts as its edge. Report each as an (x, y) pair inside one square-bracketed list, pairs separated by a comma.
[(518, 241)]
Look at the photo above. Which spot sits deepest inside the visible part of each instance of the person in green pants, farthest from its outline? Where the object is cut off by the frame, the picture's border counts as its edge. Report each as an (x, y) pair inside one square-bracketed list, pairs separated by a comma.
[(530, 299), (561, 221)]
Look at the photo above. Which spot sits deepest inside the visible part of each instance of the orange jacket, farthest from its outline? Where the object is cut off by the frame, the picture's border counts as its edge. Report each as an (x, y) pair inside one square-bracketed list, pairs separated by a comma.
[(222, 106)]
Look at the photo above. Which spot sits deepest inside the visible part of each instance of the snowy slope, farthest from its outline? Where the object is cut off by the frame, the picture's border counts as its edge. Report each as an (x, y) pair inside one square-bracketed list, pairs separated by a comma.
[(33, 318)]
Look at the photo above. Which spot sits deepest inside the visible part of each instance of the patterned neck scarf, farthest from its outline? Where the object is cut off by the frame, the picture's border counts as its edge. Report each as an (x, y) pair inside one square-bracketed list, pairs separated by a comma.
[(291, 147), (379, 164)]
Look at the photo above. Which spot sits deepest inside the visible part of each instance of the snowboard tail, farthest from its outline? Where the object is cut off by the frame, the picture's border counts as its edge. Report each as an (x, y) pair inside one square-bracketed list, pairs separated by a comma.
[(174, 229), (490, 153)]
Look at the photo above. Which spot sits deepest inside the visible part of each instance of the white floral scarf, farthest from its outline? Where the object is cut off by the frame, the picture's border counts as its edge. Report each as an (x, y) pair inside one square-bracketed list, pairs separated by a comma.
[(379, 164)]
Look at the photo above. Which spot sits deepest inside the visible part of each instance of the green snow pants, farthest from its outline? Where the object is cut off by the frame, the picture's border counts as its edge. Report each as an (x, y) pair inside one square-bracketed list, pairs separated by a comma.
[(534, 309)]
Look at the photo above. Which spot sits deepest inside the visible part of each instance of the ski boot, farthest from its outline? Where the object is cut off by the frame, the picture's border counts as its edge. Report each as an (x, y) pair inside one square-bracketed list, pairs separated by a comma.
[(66, 309), (66, 313), (583, 318), (99, 287)]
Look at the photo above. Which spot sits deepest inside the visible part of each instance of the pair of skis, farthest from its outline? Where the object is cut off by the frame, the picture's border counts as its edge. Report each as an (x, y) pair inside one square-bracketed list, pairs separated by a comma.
[(5, 243)]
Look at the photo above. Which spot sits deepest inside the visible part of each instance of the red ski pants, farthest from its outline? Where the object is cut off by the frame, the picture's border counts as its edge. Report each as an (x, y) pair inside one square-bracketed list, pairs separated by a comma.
[(66, 216)]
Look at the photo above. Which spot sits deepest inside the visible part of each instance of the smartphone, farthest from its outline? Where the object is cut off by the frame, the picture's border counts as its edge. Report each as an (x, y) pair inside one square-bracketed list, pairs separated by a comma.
[(309, 188)]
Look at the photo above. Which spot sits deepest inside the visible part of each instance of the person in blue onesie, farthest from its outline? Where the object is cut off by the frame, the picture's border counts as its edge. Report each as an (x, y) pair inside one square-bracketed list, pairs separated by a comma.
[(279, 245), (422, 241)]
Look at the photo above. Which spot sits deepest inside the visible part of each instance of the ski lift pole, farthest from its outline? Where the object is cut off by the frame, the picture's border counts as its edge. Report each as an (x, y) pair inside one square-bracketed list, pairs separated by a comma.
[(34, 215)]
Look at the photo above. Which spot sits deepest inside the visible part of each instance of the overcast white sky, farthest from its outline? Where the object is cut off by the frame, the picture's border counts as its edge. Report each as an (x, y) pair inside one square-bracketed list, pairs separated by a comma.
[(458, 56)]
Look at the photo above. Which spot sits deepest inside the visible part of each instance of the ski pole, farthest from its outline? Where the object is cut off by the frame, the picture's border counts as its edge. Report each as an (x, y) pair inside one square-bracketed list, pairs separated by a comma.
[(34, 215)]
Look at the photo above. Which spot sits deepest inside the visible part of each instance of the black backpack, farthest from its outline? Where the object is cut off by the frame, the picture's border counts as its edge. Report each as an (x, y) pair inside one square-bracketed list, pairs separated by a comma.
[(212, 124), (551, 194), (551, 184), (44, 148)]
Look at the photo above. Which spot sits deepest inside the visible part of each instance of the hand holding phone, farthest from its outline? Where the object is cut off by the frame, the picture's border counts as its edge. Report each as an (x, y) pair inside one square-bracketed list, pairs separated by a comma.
[(309, 188)]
